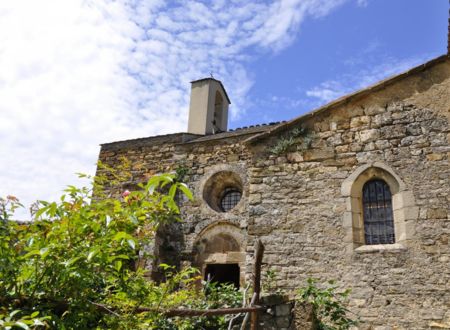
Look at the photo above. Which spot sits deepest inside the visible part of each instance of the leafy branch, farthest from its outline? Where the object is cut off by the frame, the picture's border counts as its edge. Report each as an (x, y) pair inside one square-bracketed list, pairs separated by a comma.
[(329, 312)]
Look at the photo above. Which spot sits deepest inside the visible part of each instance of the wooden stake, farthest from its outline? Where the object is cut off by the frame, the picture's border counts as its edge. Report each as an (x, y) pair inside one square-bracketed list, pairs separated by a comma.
[(259, 252), (247, 316)]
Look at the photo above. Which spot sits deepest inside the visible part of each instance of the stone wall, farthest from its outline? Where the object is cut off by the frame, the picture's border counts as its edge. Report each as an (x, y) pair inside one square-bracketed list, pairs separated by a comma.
[(298, 209), (295, 202), (181, 244), (284, 313)]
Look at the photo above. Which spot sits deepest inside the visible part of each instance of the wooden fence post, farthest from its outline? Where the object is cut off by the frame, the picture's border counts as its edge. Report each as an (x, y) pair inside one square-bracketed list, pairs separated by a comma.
[(259, 252)]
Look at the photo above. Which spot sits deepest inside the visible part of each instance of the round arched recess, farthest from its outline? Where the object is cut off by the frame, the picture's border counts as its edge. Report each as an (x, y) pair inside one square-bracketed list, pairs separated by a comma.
[(223, 191), (220, 250)]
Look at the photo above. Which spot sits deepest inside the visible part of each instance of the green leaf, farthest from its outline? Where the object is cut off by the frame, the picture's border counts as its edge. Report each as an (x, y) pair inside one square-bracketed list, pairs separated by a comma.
[(120, 256), (21, 325), (44, 252), (32, 253), (92, 254), (70, 262), (131, 243), (184, 188), (14, 312), (122, 235), (41, 211), (173, 191), (108, 220)]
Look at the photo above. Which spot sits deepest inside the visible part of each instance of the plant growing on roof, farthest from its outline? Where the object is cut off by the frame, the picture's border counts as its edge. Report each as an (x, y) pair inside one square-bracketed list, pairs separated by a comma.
[(300, 137)]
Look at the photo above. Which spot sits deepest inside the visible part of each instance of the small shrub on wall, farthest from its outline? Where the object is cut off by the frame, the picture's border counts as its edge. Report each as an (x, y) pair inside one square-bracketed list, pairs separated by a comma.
[(328, 306), (299, 138)]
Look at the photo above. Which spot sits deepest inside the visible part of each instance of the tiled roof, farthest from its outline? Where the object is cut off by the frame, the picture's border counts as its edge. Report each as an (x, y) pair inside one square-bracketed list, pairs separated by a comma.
[(180, 138), (252, 129)]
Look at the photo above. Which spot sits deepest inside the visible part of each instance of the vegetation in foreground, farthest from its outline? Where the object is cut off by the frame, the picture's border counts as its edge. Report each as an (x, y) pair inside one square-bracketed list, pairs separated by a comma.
[(74, 265)]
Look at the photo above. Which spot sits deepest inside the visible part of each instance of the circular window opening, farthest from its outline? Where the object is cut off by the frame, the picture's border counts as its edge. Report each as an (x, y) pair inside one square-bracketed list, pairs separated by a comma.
[(223, 191), (230, 199)]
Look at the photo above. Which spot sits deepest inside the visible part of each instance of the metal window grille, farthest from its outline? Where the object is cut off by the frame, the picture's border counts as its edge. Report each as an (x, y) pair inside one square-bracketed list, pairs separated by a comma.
[(230, 199), (378, 216)]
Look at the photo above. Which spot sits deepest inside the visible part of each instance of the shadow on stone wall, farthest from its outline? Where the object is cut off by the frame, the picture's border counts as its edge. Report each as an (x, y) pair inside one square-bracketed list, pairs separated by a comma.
[(169, 243)]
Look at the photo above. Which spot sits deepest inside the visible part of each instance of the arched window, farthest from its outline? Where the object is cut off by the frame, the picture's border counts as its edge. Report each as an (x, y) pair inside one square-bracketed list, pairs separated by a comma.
[(380, 211), (377, 213)]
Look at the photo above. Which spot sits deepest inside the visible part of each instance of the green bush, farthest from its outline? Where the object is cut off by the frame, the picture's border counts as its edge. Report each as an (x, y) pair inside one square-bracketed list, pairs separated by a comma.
[(328, 306), (213, 296), (73, 266)]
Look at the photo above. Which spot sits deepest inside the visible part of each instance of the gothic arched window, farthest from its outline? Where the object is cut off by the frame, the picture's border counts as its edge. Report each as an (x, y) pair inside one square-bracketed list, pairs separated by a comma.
[(377, 213)]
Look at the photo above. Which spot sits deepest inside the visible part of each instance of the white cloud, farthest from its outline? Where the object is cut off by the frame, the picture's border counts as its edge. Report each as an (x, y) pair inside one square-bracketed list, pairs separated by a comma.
[(360, 78), (362, 3), (77, 73)]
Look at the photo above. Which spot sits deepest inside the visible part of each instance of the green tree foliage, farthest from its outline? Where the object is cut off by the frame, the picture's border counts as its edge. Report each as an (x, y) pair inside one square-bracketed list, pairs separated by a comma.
[(213, 296), (74, 265), (328, 306)]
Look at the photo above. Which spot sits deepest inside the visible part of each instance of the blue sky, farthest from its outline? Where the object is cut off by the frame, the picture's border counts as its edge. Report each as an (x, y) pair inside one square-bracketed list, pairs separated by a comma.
[(352, 40), (77, 73)]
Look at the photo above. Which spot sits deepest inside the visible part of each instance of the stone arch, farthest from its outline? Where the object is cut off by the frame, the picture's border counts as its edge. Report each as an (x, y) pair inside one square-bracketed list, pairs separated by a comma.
[(363, 173), (403, 204), (220, 243)]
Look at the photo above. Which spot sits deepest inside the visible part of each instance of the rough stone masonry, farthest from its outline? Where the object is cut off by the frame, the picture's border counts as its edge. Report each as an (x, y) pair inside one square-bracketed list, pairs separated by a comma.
[(304, 201)]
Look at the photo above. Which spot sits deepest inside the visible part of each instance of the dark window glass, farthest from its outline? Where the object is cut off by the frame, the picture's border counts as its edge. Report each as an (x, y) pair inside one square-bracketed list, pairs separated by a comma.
[(378, 217), (230, 199)]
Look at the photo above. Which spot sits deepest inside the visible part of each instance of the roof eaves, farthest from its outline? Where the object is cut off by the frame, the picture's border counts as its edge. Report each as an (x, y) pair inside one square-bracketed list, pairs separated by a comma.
[(182, 135), (252, 130)]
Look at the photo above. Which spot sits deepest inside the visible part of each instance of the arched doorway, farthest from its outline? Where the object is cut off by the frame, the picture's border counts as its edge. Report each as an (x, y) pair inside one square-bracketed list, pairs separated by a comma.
[(220, 254)]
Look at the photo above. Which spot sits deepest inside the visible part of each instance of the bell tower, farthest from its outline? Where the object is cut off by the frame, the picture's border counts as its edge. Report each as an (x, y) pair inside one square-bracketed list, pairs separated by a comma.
[(208, 109)]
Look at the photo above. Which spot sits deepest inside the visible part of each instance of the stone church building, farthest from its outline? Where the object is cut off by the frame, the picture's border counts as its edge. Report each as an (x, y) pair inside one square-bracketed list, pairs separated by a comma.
[(357, 191)]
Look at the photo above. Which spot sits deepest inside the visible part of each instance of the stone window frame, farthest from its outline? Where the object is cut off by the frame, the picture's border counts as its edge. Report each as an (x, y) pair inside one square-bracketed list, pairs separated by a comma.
[(210, 196), (403, 204)]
